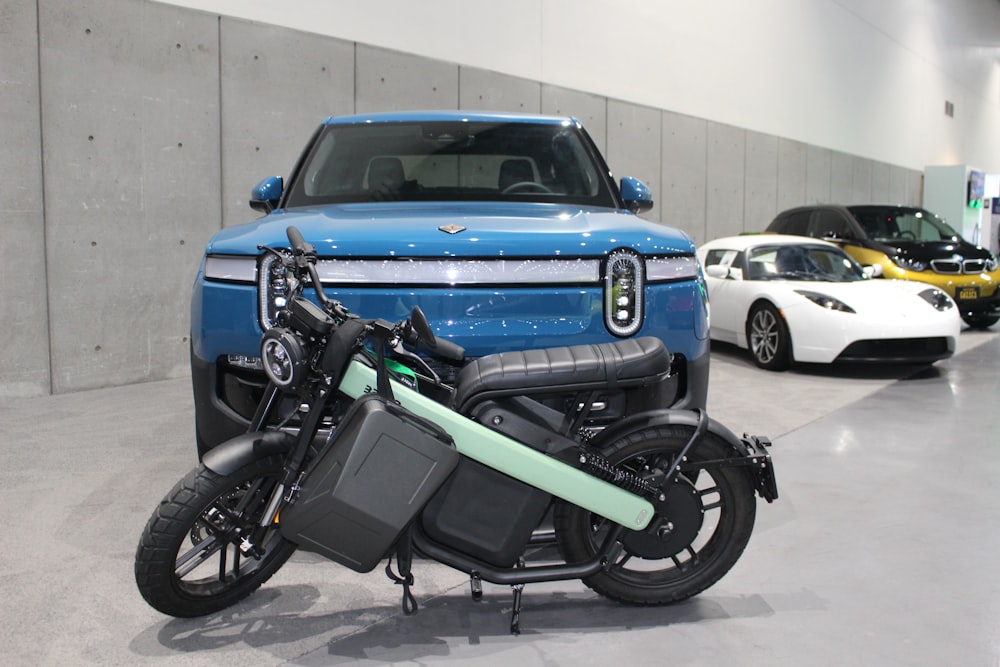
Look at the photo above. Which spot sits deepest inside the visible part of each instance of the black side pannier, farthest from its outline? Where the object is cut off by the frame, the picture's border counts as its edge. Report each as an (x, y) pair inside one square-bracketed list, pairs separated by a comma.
[(383, 464)]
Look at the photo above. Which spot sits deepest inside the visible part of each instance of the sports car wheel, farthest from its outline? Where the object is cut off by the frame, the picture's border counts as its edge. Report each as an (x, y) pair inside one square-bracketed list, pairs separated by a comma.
[(768, 338)]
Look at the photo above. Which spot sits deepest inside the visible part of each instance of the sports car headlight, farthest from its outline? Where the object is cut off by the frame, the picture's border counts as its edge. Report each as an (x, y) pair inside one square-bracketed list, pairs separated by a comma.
[(825, 301), (623, 290), (937, 298), (283, 357), (909, 263)]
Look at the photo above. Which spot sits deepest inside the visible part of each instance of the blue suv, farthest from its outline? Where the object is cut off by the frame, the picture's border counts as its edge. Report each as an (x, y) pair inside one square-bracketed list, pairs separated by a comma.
[(506, 229)]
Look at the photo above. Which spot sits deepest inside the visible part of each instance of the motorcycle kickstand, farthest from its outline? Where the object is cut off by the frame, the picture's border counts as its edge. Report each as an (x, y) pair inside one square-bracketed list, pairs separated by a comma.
[(476, 583), (515, 612)]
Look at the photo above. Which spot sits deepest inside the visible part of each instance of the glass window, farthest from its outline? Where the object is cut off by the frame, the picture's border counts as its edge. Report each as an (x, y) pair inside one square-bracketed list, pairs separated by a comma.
[(451, 161)]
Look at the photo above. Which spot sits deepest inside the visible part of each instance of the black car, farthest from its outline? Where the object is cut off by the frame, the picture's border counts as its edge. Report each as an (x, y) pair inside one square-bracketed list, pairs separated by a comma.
[(906, 243)]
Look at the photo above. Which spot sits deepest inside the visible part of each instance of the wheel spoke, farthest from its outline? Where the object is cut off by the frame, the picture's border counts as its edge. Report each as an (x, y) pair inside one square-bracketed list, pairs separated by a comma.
[(222, 564), (198, 555)]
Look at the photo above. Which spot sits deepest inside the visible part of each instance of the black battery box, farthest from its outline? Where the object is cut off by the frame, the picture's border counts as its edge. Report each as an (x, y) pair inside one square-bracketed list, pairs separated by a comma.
[(361, 492)]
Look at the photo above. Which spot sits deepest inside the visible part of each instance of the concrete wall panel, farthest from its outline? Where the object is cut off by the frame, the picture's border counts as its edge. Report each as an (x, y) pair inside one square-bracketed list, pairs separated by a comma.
[(277, 86), (685, 170), (841, 177), (591, 110), (760, 196), (130, 143), (726, 179), (392, 81), (819, 165), (491, 91), (24, 361), (634, 145), (863, 187), (792, 175), (880, 182)]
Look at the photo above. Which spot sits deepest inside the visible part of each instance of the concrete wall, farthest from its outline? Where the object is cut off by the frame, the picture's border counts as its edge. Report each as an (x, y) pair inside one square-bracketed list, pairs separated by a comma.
[(134, 130)]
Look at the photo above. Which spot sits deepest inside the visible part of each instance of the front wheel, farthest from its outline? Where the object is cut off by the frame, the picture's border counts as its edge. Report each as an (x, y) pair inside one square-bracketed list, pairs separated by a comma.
[(202, 549), (768, 338), (980, 320), (698, 534)]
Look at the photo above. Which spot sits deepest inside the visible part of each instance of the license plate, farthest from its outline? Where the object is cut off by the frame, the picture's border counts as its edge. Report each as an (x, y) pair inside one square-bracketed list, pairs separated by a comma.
[(968, 293)]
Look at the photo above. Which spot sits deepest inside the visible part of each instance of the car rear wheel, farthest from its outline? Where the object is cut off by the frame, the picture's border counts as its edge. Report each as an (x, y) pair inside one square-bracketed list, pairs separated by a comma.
[(768, 338)]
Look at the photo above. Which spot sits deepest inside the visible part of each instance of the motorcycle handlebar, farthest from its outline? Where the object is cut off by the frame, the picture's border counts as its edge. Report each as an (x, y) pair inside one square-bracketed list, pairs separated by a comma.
[(448, 350), (299, 244)]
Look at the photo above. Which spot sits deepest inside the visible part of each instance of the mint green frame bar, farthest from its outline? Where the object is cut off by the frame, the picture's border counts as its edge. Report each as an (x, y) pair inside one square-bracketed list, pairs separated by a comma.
[(511, 457)]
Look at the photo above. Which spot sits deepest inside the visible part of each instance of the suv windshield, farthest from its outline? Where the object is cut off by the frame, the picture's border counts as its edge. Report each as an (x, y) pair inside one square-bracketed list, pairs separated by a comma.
[(800, 262), (896, 223), (451, 161)]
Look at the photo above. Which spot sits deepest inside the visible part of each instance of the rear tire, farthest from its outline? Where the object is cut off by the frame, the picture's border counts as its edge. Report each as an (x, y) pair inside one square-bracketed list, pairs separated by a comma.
[(188, 562), (711, 514)]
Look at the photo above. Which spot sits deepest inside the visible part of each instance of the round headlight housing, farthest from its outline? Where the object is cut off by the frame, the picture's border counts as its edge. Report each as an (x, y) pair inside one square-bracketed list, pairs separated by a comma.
[(284, 358)]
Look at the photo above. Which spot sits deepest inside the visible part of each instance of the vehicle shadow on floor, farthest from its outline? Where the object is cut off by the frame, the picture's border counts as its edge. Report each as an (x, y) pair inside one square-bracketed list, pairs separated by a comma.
[(279, 617), (731, 354)]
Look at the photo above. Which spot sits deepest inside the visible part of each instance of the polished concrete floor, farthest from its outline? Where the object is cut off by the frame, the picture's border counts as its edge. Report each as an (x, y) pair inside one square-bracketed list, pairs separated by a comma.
[(882, 550)]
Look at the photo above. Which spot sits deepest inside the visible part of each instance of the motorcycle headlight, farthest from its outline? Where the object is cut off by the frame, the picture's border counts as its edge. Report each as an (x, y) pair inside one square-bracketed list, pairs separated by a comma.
[(937, 298), (284, 358), (909, 263), (826, 301)]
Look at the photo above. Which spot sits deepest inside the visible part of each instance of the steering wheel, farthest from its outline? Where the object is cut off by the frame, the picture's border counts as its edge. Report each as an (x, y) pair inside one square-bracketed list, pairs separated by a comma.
[(525, 186), (907, 234)]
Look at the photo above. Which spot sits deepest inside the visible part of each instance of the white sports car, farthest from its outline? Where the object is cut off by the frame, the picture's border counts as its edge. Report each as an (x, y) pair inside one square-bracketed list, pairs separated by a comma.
[(792, 299)]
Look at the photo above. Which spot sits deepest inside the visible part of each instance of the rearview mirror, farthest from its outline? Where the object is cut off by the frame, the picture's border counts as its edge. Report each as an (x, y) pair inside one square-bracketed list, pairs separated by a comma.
[(717, 271), (872, 271)]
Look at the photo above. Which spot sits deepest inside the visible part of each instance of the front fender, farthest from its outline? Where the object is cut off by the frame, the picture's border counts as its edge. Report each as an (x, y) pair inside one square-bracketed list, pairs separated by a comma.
[(666, 417), (244, 449)]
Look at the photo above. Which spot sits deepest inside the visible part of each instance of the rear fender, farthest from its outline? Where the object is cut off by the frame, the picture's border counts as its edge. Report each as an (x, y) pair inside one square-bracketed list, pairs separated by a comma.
[(244, 449), (666, 417)]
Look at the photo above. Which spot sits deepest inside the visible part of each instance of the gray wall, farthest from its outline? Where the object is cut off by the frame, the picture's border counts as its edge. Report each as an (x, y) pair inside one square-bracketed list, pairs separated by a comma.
[(134, 130)]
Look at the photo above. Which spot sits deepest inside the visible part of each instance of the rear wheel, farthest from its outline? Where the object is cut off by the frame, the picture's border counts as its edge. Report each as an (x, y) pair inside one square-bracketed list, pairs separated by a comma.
[(202, 549), (698, 534)]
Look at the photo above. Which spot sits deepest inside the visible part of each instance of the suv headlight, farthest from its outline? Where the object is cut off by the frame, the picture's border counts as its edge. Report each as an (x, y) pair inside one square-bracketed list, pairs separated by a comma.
[(825, 301), (623, 290), (909, 263), (937, 298), (274, 286)]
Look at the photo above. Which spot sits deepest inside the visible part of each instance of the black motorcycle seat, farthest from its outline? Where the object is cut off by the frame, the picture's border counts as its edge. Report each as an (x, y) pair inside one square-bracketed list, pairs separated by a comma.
[(629, 363)]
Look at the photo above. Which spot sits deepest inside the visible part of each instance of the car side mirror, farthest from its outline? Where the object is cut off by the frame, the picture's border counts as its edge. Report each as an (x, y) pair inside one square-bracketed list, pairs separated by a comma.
[(717, 271), (636, 195), (872, 271), (265, 195)]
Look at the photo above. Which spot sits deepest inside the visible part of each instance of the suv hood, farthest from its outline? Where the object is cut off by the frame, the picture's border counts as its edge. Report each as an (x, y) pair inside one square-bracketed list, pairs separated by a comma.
[(442, 229)]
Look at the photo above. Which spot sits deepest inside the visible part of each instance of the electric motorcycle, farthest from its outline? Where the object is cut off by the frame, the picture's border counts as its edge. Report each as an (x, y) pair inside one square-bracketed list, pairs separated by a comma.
[(359, 452)]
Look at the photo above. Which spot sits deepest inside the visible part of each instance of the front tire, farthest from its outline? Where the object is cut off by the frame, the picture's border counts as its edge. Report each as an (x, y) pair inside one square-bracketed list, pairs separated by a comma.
[(980, 321), (189, 561), (768, 338), (699, 532)]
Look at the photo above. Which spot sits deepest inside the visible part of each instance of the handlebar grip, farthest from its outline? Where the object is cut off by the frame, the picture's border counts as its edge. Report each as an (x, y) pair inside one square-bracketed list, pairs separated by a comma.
[(299, 243), (448, 350)]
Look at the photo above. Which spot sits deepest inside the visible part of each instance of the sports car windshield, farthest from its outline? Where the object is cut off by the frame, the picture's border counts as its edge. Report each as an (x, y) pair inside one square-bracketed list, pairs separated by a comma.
[(802, 262), (896, 223), (451, 161)]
